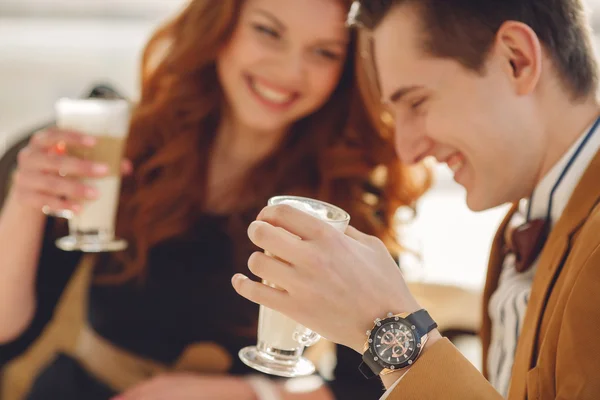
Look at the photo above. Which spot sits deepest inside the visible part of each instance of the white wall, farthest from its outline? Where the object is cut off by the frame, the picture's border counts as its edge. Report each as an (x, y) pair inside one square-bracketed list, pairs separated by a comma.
[(42, 60), (54, 48)]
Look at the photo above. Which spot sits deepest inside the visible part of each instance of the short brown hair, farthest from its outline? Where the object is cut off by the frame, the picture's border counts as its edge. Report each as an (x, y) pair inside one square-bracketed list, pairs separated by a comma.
[(465, 30)]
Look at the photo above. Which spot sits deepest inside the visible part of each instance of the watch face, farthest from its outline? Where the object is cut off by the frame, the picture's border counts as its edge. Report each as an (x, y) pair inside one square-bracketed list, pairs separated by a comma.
[(395, 343)]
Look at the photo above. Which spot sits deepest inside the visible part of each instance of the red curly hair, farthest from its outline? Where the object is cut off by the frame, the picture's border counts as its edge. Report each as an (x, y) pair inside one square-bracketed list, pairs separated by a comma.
[(343, 153)]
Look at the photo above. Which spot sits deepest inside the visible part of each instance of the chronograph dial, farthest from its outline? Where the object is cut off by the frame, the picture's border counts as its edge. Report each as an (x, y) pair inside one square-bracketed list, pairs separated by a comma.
[(395, 342)]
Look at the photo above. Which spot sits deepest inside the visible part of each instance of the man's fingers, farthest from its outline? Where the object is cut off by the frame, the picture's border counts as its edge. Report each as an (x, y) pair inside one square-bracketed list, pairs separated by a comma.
[(359, 236), (295, 221), (279, 242), (270, 269), (259, 293), (356, 234)]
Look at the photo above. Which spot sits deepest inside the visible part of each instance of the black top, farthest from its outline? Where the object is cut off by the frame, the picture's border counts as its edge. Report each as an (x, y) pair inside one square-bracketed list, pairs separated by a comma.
[(186, 298)]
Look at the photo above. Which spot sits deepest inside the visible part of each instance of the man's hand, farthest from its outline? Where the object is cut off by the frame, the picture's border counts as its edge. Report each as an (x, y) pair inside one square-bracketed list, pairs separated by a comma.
[(333, 283), (184, 386)]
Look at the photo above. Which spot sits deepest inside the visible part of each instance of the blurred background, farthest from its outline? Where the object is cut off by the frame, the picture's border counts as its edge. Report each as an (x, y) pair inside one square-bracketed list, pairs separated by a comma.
[(55, 48)]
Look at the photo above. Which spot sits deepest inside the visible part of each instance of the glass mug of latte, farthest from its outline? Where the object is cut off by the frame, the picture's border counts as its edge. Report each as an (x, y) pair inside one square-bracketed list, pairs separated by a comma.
[(93, 229), (281, 340)]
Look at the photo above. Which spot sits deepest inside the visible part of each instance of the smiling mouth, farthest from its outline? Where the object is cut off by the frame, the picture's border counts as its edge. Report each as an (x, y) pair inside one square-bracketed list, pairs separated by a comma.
[(270, 95), (455, 162)]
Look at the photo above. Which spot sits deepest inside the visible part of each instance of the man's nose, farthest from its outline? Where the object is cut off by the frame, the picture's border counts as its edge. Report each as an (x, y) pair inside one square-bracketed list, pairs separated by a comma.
[(411, 144)]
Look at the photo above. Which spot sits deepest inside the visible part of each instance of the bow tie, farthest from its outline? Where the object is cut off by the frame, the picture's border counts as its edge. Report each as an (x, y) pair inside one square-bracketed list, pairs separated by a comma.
[(526, 242)]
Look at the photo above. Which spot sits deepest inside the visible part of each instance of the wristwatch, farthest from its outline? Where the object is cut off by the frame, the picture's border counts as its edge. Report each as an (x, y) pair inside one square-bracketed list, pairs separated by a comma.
[(395, 342)]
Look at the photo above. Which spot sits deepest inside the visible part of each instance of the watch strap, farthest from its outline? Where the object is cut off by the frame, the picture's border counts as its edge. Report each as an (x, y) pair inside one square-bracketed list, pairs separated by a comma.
[(422, 321), (369, 367)]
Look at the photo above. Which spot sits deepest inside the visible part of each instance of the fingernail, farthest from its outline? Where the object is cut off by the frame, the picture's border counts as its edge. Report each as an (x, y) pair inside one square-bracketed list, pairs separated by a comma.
[(237, 278), (252, 228), (89, 140), (100, 168), (262, 212)]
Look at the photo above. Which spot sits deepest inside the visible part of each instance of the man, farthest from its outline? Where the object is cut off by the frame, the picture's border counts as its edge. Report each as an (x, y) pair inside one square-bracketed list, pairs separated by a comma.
[(504, 92)]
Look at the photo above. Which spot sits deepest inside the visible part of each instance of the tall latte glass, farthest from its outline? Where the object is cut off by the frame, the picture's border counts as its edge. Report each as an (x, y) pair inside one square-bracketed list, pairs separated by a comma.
[(281, 340), (93, 229)]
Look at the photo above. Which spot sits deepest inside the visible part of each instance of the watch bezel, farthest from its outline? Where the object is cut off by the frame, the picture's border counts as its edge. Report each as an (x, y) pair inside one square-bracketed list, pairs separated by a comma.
[(372, 343)]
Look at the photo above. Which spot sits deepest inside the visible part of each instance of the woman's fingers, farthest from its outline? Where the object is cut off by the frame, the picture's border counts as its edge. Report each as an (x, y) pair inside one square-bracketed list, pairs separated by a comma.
[(31, 159)]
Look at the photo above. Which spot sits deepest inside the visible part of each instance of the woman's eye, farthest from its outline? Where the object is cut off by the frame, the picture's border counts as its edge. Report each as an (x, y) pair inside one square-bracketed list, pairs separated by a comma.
[(331, 55), (265, 30)]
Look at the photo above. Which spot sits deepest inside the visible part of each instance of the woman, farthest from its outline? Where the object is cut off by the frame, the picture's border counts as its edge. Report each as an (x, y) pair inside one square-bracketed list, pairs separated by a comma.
[(241, 100)]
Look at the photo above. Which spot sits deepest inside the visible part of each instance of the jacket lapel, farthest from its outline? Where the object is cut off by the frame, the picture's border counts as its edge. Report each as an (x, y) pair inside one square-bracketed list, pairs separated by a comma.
[(583, 200)]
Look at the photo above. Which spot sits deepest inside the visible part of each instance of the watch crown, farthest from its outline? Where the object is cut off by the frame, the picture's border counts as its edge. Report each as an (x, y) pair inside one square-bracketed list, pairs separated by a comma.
[(390, 315), (369, 333)]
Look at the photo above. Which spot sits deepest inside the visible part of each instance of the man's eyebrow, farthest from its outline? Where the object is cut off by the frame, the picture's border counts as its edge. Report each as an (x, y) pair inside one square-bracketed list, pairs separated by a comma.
[(398, 94)]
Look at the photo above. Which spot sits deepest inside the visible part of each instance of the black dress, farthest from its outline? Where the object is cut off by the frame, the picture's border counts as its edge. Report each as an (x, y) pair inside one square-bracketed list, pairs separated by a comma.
[(186, 298)]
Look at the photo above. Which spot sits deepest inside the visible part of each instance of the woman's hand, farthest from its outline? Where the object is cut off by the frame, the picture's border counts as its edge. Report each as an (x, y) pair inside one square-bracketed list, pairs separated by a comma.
[(48, 178), (187, 386)]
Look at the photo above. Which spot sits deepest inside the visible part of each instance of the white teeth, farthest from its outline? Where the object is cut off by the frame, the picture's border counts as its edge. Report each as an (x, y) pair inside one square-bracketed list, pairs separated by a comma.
[(270, 94), (455, 166)]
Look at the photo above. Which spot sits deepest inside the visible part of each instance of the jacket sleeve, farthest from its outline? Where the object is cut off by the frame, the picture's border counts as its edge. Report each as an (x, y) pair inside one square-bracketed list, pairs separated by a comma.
[(55, 269), (443, 373)]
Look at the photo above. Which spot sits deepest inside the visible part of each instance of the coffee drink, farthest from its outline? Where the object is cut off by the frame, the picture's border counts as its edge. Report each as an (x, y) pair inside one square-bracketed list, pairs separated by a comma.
[(108, 121), (275, 328), (281, 340)]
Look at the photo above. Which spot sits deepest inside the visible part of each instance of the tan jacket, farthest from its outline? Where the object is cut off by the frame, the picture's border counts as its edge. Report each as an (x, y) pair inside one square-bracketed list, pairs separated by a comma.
[(558, 354)]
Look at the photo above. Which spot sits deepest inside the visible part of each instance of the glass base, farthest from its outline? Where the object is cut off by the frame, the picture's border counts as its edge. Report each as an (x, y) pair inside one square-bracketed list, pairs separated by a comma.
[(262, 362), (73, 243)]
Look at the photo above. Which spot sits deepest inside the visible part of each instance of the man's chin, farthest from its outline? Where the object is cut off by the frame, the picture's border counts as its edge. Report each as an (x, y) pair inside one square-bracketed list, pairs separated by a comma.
[(478, 202)]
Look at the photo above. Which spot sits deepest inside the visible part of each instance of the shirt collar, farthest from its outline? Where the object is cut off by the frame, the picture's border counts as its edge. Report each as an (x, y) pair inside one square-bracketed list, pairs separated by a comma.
[(541, 194)]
